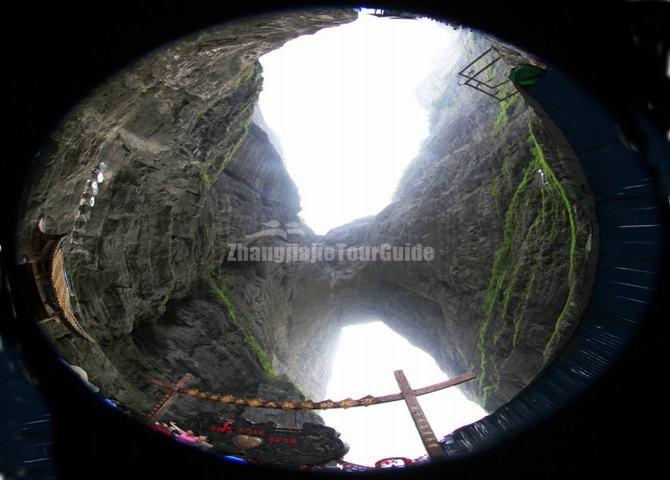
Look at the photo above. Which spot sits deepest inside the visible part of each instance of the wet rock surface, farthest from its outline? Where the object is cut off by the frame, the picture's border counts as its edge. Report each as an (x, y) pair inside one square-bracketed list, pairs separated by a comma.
[(190, 172)]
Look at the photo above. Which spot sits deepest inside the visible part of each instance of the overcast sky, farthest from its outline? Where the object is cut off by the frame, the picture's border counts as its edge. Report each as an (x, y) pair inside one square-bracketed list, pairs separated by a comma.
[(343, 104), (364, 364)]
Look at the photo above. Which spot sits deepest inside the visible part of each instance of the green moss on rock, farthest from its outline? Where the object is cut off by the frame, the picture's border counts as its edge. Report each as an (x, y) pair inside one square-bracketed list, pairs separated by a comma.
[(249, 337), (538, 212)]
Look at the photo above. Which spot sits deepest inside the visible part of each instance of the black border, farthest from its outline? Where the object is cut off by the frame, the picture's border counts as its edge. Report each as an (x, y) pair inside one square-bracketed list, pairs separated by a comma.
[(57, 53)]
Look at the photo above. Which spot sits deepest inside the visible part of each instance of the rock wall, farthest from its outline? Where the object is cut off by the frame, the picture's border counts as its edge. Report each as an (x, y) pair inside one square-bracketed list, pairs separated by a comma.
[(190, 172), (167, 127), (512, 227)]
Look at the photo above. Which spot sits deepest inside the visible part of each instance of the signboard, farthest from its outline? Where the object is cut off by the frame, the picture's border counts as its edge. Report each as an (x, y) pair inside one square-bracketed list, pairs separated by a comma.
[(266, 443)]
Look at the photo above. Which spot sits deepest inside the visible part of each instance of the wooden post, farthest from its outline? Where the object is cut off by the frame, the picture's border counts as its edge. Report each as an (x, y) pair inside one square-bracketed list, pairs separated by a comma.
[(426, 433), (168, 399)]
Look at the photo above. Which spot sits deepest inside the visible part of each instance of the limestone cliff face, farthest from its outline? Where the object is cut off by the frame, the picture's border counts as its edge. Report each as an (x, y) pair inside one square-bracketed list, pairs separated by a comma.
[(167, 128), (512, 229), (190, 172)]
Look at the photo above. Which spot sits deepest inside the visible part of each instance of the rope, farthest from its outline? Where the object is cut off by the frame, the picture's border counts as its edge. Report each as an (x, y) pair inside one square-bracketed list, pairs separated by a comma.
[(310, 404)]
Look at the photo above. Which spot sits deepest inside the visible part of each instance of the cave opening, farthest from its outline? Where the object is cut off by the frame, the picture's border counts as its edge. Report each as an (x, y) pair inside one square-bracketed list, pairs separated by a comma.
[(188, 256), (368, 352), (347, 110)]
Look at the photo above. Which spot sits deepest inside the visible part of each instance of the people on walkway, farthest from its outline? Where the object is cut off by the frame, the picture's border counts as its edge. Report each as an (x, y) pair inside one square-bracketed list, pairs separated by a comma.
[(187, 437)]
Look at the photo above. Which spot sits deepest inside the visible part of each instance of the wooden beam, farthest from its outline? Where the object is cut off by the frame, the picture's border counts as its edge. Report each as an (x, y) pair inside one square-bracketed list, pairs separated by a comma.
[(426, 433), (446, 384), (168, 399)]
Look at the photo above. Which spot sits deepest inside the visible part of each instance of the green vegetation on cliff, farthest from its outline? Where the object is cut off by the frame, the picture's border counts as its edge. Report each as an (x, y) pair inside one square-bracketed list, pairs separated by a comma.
[(538, 213), (241, 123), (538, 154), (248, 335), (229, 155), (505, 107)]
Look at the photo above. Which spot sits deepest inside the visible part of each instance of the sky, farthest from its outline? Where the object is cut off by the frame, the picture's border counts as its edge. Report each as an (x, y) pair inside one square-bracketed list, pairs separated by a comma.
[(343, 104), (364, 363)]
